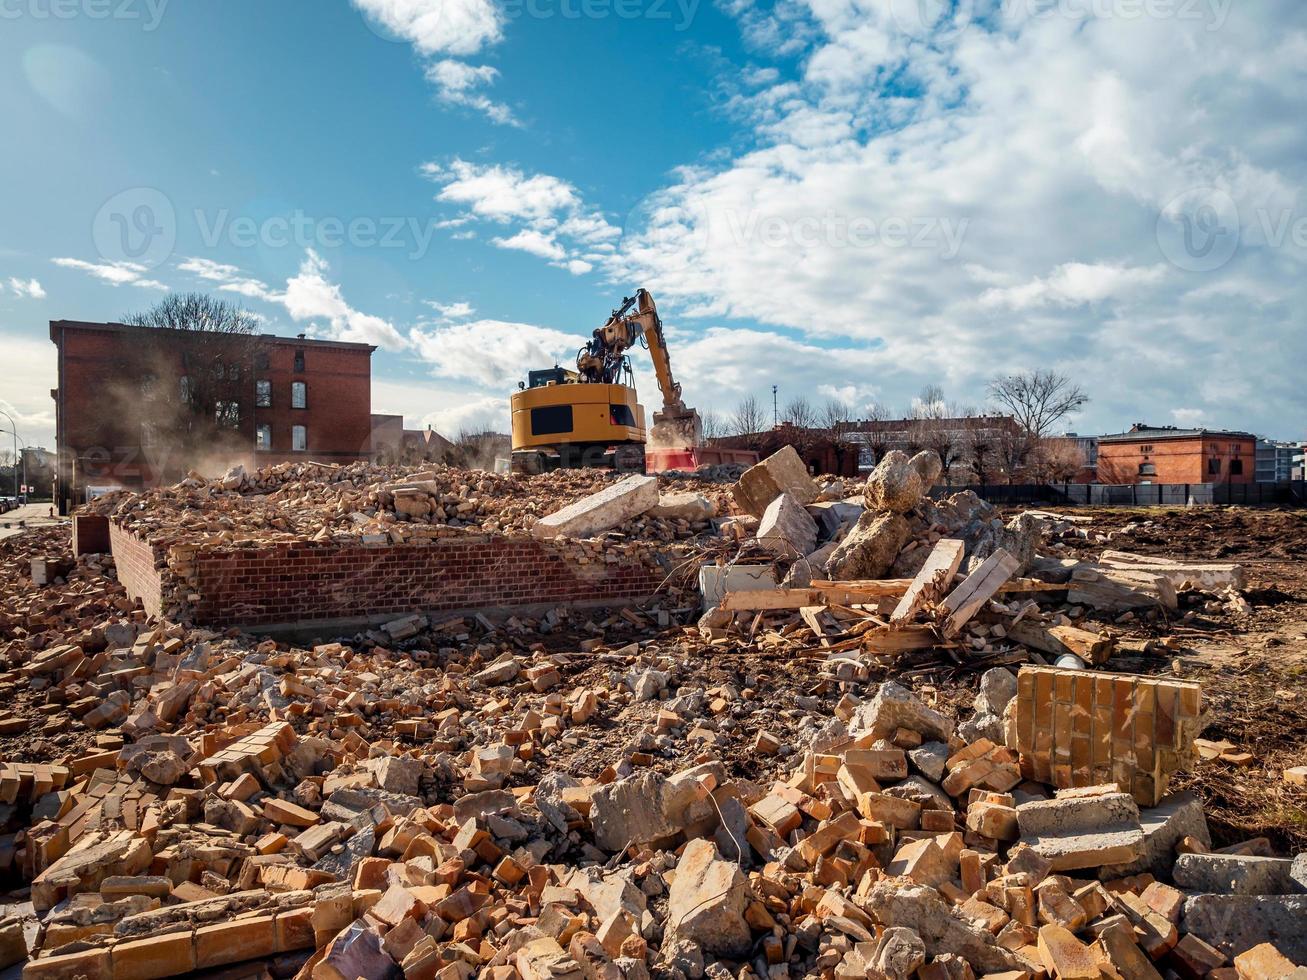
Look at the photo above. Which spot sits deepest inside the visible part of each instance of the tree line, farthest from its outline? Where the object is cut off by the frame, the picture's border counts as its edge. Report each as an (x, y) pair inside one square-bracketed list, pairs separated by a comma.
[(1011, 441)]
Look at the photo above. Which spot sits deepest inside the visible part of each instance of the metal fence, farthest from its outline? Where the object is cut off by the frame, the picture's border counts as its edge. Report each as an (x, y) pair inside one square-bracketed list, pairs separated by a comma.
[(1136, 495)]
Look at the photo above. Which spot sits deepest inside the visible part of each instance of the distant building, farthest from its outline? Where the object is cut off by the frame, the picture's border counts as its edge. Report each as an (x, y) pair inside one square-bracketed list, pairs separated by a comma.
[(1277, 462), (123, 394), (974, 448), (1168, 454), (392, 443), (821, 452), (37, 469)]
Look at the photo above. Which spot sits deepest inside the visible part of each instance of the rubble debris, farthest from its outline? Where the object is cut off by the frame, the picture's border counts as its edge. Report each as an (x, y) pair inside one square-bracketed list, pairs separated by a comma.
[(782, 472), (1088, 728), (788, 785), (597, 513)]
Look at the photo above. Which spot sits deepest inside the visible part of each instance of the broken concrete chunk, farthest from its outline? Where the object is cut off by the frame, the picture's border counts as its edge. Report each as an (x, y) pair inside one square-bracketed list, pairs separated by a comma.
[(600, 511), (690, 507), (786, 529), (1235, 924), (781, 472), (895, 707), (897, 903), (707, 902), (1234, 874), (898, 482), (868, 551), (1083, 832)]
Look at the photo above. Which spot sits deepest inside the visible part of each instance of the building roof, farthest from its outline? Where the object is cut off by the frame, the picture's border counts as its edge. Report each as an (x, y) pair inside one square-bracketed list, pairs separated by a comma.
[(1151, 433), (60, 325)]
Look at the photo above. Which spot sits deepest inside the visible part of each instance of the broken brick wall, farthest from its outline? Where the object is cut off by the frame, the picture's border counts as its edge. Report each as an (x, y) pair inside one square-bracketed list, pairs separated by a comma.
[(304, 581), (139, 568)]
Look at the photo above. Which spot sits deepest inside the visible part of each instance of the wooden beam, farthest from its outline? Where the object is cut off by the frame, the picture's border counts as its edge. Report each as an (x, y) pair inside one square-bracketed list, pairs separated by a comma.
[(977, 589), (941, 565), (1094, 648), (852, 593)]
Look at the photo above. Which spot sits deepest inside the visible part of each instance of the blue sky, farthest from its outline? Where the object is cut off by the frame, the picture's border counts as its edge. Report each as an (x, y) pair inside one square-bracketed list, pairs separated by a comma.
[(850, 200)]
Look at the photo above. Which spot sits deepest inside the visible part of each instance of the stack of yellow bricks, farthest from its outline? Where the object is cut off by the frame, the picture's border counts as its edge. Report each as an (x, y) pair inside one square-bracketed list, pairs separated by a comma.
[(1077, 728)]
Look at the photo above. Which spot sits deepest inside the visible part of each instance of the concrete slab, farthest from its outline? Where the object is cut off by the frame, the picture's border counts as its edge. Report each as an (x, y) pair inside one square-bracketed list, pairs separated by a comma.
[(601, 511)]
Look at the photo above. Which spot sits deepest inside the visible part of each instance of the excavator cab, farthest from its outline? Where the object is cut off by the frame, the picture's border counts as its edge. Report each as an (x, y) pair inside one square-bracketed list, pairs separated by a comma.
[(590, 417)]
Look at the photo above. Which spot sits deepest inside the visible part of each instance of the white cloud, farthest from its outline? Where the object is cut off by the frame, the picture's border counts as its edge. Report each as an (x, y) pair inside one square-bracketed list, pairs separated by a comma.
[(435, 27), (493, 352), (501, 193), (114, 273), (310, 295), (551, 220), (30, 372), (533, 242), (448, 27), (1073, 284), (458, 83), (231, 279), (28, 288), (451, 311)]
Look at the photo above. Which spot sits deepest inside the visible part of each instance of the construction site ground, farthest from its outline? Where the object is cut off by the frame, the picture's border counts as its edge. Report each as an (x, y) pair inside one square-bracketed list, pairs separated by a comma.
[(1253, 668)]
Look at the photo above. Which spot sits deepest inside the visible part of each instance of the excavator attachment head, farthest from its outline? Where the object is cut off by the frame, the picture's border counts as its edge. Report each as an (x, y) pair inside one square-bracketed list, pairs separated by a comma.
[(676, 429)]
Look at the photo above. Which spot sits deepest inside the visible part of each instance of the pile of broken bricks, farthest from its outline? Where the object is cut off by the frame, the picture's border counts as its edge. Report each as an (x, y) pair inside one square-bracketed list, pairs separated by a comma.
[(881, 574), (887, 846), (379, 504), (398, 803)]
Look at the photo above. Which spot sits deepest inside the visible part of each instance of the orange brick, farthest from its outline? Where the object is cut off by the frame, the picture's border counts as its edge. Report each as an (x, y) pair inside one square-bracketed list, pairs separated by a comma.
[(235, 942), (294, 930), (155, 957), (91, 964)]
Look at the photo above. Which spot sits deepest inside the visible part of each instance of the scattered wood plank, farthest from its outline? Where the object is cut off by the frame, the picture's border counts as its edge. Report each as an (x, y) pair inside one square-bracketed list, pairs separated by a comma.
[(1118, 591), (977, 589), (1093, 648), (941, 566)]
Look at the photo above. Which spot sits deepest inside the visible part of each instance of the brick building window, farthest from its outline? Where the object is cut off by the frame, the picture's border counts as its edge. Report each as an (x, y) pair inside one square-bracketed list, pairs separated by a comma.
[(1145, 449), (228, 414), (299, 438), (184, 388), (1213, 466), (1147, 469), (263, 393), (263, 438), (299, 394), (1236, 467), (261, 361), (299, 362)]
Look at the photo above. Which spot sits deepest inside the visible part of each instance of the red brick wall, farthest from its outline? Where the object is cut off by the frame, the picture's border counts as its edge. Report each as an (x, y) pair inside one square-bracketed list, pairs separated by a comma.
[(98, 427), (1176, 460), (307, 581), (138, 569)]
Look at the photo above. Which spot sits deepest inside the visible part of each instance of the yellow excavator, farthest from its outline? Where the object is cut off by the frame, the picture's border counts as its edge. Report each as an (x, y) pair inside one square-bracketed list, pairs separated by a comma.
[(590, 418)]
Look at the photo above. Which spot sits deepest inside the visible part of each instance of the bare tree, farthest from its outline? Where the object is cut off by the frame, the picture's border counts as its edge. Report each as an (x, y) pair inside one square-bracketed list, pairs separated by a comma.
[(876, 437), (835, 415), (712, 425), (1057, 460), (1038, 400), (190, 383), (800, 413), (749, 418)]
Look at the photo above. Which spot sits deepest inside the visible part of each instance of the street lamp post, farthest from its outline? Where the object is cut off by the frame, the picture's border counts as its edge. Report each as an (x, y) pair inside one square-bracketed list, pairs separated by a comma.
[(13, 429)]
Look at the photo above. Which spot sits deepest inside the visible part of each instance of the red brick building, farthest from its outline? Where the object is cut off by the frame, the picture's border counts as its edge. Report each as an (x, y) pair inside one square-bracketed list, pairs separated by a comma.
[(1167, 454), (284, 399), (822, 454)]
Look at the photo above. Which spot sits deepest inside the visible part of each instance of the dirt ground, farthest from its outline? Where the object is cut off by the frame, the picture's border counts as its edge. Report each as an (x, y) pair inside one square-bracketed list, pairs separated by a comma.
[(1253, 668)]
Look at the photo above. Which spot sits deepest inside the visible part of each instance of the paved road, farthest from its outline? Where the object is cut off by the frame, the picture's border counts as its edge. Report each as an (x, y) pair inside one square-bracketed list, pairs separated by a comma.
[(32, 515)]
